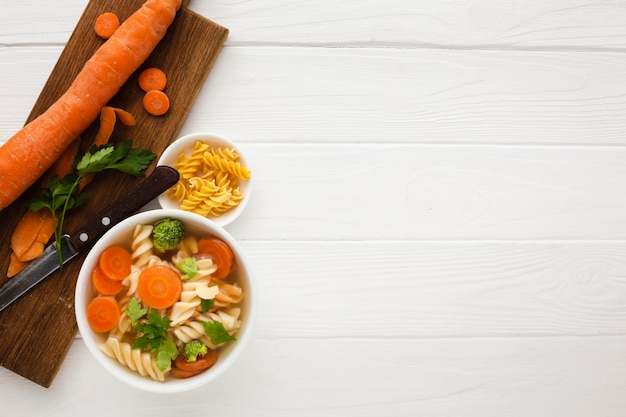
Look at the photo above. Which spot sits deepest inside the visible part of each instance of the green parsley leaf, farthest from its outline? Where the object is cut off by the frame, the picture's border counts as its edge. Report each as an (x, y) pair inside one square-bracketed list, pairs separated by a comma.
[(152, 333), (206, 305), (134, 163), (59, 195), (189, 268), (216, 331), (166, 353), (96, 160), (134, 310)]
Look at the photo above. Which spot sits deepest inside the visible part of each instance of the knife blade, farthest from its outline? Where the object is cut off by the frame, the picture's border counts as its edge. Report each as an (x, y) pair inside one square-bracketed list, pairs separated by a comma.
[(162, 178)]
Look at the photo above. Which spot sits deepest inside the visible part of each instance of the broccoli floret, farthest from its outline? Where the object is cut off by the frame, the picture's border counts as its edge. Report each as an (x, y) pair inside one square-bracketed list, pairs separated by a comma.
[(194, 349), (167, 233)]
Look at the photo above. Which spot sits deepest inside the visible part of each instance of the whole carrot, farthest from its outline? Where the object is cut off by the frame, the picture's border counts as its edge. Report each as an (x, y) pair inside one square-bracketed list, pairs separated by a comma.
[(38, 144)]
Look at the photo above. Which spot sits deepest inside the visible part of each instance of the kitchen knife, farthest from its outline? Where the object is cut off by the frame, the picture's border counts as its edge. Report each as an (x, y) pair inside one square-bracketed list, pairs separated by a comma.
[(162, 178)]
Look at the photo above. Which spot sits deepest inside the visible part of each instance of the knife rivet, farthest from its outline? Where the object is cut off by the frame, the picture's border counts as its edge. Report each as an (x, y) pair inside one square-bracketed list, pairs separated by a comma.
[(106, 221), (83, 237)]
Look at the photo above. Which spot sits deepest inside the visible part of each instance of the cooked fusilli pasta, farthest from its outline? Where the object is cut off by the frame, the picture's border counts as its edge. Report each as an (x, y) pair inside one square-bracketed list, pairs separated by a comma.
[(194, 330), (141, 245), (142, 362), (185, 316)]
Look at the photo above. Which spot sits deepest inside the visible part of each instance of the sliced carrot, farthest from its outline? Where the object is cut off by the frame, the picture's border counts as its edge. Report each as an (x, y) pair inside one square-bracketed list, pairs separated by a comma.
[(156, 102), (103, 313), (221, 254), (115, 262), (35, 251), (33, 227), (183, 369), (105, 285), (152, 79), (15, 266), (125, 117), (107, 124), (106, 24), (159, 286)]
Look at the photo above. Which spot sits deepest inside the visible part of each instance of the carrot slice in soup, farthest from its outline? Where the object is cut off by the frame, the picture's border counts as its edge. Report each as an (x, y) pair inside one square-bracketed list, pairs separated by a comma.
[(115, 262), (103, 313), (183, 369), (221, 254), (159, 286), (105, 285)]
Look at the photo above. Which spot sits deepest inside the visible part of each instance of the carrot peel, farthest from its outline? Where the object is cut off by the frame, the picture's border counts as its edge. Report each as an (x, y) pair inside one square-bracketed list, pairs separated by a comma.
[(125, 117), (108, 116)]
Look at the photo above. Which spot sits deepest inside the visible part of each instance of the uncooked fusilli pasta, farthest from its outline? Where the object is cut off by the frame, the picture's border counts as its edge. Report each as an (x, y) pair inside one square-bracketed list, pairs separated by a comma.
[(209, 180)]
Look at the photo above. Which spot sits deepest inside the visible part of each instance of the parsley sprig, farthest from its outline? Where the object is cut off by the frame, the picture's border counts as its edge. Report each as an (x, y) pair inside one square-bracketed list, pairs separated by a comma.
[(216, 331), (60, 194), (151, 328)]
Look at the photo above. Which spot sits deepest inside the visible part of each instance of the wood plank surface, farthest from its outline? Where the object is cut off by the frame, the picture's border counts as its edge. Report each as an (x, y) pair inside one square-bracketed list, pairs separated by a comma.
[(38, 329)]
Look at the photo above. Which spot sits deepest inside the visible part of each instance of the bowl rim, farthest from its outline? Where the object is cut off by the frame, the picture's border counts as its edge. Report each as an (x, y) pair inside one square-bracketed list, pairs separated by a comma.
[(185, 143), (83, 285)]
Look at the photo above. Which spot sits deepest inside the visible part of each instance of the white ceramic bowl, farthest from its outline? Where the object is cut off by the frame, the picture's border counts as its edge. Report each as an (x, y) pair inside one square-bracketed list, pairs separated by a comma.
[(186, 145), (122, 234)]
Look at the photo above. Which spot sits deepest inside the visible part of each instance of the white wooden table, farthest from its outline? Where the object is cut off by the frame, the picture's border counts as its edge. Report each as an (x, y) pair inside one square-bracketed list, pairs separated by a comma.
[(438, 225)]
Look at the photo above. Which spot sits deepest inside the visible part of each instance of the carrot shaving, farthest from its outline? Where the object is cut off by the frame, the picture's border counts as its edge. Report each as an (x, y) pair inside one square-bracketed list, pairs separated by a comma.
[(105, 285), (107, 124), (103, 313), (115, 262), (125, 117), (156, 102), (106, 24), (159, 286), (152, 79)]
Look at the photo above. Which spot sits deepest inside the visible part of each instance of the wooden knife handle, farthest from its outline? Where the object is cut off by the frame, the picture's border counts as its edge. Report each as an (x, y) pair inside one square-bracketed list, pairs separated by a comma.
[(162, 178)]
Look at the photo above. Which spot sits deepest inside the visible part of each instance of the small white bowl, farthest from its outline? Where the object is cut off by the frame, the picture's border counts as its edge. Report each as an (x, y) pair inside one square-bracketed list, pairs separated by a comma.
[(185, 145), (122, 234)]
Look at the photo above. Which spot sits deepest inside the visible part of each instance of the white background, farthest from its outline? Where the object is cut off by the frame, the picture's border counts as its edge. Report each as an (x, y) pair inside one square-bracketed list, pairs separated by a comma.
[(438, 220)]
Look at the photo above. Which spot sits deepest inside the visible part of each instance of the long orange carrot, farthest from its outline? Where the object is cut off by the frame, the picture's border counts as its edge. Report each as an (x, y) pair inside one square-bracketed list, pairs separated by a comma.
[(38, 144)]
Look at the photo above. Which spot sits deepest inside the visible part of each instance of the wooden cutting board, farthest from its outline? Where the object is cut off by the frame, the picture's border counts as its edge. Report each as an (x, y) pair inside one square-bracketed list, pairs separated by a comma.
[(37, 330)]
